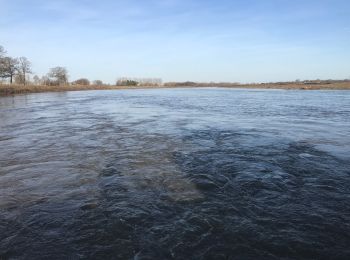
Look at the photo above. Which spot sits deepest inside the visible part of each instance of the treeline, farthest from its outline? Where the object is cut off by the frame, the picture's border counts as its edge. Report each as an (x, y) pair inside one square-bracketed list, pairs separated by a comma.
[(151, 82), (18, 71)]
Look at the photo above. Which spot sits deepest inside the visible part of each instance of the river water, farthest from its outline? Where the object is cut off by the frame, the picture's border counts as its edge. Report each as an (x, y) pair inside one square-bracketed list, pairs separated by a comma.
[(175, 174)]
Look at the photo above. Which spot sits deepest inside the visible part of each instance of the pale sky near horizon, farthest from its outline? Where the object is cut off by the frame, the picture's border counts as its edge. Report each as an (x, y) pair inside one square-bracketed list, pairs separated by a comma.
[(180, 40)]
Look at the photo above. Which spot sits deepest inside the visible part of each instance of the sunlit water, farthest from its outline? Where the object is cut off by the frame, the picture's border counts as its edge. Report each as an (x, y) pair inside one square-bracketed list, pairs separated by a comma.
[(175, 174)]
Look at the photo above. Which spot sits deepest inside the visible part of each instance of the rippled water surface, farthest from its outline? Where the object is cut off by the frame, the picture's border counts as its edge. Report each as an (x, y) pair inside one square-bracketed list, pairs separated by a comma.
[(175, 174)]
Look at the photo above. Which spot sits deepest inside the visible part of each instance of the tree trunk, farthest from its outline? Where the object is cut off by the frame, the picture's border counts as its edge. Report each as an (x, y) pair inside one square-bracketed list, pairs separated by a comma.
[(11, 79)]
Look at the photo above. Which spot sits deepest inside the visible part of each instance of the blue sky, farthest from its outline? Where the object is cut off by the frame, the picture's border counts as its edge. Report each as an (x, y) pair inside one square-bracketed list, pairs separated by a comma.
[(178, 40)]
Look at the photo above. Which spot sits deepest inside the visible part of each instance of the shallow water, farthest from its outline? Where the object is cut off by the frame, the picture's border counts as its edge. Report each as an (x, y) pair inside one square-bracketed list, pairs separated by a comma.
[(175, 174)]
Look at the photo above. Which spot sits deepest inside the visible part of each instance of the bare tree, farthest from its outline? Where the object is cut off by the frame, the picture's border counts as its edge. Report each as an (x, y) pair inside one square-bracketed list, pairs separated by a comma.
[(36, 80), (45, 80), (9, 68), (24, 68), (60, 75)]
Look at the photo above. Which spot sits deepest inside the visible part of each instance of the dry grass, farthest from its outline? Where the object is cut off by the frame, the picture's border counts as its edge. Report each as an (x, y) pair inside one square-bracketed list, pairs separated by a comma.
[(6, 90)]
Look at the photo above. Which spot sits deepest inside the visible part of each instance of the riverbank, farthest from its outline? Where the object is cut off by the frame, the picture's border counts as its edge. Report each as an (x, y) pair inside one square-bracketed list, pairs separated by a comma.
[(8, 90)]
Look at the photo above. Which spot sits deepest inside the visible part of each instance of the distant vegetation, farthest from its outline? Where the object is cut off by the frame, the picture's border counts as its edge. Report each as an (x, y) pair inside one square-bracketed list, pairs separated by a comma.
[(150, 82), (82, 82), (18, 70), (15, 78), (127, 83)]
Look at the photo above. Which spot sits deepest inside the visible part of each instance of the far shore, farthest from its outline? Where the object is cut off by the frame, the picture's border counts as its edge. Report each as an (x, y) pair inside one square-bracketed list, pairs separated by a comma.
[(8, 90)]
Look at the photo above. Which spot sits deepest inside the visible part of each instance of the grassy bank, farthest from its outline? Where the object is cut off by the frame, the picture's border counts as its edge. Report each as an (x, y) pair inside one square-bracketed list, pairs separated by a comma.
[(7, 90)]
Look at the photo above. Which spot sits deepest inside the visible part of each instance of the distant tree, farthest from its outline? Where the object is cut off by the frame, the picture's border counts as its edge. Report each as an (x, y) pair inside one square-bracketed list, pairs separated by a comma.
[(131, 83), (8, 68), (24, 68), (127, 82), (2, 52), (83, 81), (2, 62), (45, 80), (58, 76), (18, 79), (97, 82), (36, 80)]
